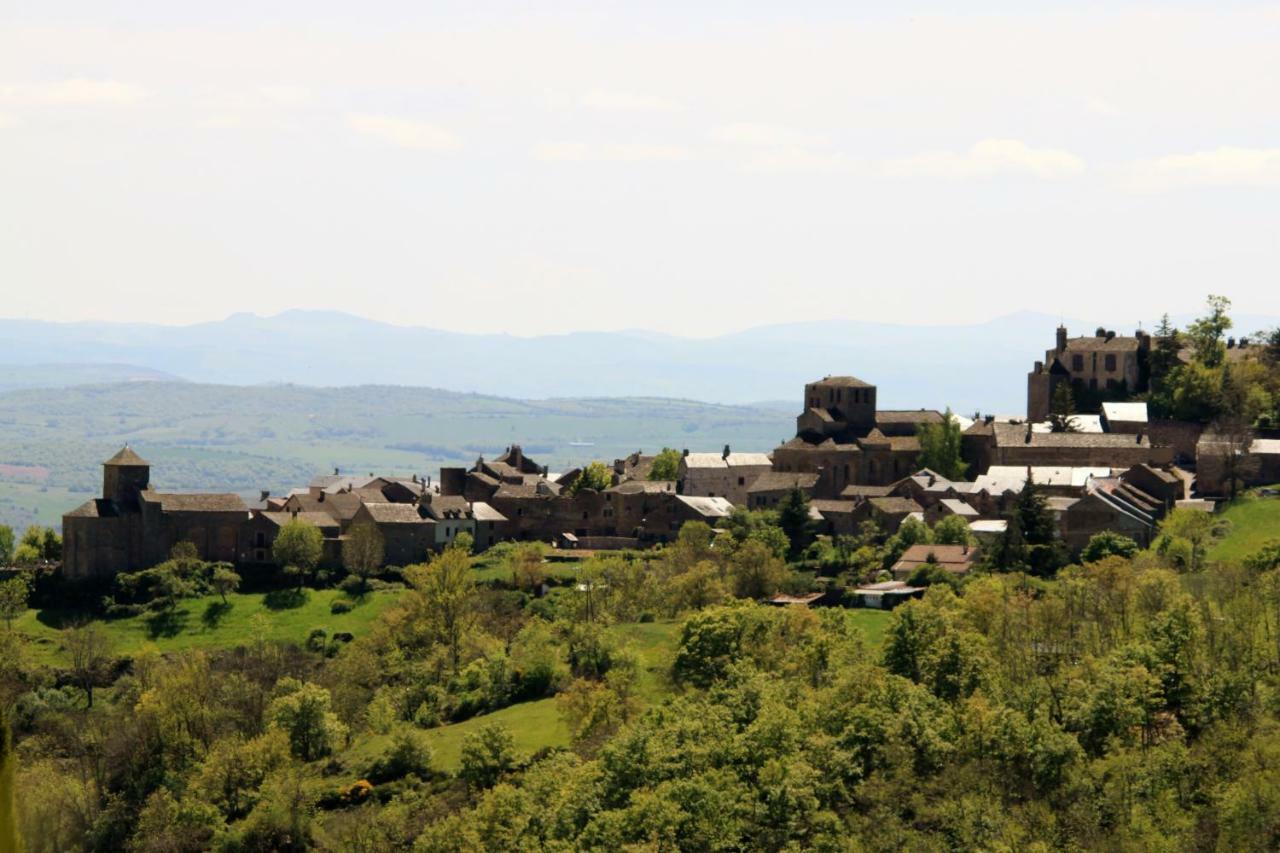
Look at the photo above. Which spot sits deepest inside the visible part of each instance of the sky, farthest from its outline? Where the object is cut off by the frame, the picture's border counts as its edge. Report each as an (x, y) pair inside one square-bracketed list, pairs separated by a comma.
[(691, 169)]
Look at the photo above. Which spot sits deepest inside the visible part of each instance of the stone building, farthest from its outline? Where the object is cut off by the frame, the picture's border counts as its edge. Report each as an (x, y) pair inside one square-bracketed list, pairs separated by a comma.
[(1101, 363), (133, 527), (721, 475), (844, 438), (995, 443)]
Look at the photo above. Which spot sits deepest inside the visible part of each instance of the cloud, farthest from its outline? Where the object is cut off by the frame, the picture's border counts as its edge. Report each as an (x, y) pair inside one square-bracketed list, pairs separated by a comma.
[(626, 102), (985, 159), (583, 152), (7, 121), (75, 92), (404, 132), (766, 135), (1222, 167)]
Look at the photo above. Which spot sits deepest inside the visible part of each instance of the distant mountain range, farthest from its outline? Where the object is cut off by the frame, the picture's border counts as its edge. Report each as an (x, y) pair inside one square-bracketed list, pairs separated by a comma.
[(980, 366)]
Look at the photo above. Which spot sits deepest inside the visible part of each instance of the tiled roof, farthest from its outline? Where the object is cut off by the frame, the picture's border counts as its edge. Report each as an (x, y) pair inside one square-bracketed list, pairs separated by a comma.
[(483, 512), (389, 513), (857, 490), (1012, 434), (707, 507), (832, 507), (844, 382), (646, 487), (196, 502), (1125, 412), (894, 506), (126, 457), (776, 481), (908, 416), (96, 508), (959, 508), (1093, 343), (319, 519)]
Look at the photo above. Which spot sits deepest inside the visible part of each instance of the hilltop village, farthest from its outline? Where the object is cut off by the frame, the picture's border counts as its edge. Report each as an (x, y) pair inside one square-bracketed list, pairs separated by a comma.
[(1113, 468)]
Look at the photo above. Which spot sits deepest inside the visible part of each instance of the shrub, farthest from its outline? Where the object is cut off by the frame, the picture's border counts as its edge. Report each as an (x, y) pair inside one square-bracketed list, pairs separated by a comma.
[(340, 606), (407, 754)]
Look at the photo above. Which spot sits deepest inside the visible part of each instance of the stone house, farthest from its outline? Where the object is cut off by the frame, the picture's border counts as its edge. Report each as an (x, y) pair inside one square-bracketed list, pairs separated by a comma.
[(724, 475), (1102, 362)]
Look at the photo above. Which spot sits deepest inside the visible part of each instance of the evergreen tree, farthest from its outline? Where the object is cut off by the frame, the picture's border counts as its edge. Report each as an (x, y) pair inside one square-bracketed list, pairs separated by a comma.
[(793, 518), (1062, 408), (1164, 355)]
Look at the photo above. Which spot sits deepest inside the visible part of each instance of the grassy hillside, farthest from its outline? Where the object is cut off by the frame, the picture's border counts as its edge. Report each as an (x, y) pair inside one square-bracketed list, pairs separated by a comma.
[(242, 439), (1254, 521), (207, 623)]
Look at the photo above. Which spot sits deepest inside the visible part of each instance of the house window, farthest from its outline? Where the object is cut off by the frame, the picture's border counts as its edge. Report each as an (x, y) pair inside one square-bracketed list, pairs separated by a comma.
[(742, 481), (1077, 363), (1110, 362)]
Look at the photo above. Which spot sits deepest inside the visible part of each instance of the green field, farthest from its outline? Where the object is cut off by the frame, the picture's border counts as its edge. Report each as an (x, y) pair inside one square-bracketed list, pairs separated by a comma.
[(1254, 521), (205, 623)]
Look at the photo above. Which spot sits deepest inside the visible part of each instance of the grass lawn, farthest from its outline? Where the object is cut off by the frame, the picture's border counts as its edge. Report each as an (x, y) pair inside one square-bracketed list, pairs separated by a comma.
[(533, 726), (872, 623), (1254, 522), (205, 623)]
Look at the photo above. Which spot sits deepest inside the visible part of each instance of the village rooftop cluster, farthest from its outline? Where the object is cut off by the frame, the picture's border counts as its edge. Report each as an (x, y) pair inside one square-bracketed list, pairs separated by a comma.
[(1114, 469)]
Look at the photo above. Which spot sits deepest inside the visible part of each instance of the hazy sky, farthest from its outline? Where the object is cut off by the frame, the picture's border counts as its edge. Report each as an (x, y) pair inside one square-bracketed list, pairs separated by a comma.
[(479, 167)]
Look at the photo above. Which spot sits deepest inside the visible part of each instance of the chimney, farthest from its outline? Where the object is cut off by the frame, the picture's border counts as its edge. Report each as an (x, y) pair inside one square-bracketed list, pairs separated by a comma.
[(1100, 332), (1111, 336), (1062, 338), (1039, 367), (264, 495), (1231, 343), (725, 455)]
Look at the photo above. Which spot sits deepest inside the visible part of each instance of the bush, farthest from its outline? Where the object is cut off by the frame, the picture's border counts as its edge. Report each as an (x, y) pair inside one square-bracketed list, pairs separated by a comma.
[(407, 754), (317, 639), (340, 606)]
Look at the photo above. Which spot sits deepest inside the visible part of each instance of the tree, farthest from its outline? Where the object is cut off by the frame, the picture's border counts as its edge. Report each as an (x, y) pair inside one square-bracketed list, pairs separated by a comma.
[(1106, 544), (445, 596), (14, 593), (298, 546), (89, 649), (1205, 333), (39, 544), (6, 545), (1062, 408), (362, 551), (793, 518), (756, 570), (302, 711), (225, 580), (1164, 353), (1194, 527), (952, 530), (940, 447), (526, 564), (666, 465), (595, 476), (487, 754), (170, 825), (1227, 441)]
